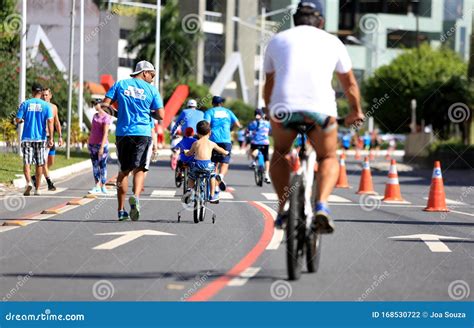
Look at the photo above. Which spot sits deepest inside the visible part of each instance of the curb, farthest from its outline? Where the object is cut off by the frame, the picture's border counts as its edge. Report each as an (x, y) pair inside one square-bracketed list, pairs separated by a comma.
[(59, 173)]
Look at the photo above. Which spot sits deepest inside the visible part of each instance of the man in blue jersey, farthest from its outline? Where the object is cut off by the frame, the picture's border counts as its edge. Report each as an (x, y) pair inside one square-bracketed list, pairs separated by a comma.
[(188, 118), (259, 129), (222, 121), (37, 116), (138, 103)]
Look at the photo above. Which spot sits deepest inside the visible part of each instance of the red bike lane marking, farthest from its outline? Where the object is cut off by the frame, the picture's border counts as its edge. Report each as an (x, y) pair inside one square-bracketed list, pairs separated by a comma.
[(218, 284)]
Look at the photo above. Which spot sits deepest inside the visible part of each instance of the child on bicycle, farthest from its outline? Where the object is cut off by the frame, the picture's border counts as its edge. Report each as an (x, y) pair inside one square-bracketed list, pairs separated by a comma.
[(184, 144), (202, 151)]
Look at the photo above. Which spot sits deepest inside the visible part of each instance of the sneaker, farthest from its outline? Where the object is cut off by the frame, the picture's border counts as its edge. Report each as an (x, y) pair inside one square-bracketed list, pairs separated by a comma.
[(267, 180), (51, 186), (281, 219), (103, 190), (222, 185), (37, 192), (252, 165), (28, 189), (95, 190), (33, 179), (214, 199), (134, 208), (322, 221), (186, 199), (122, 215)]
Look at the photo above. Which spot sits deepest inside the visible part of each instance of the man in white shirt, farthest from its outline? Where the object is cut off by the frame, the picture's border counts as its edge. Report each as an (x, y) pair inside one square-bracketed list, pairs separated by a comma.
[(299, 66)]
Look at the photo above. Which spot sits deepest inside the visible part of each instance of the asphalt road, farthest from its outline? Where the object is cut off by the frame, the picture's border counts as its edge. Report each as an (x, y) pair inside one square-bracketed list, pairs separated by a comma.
[(69, 256)]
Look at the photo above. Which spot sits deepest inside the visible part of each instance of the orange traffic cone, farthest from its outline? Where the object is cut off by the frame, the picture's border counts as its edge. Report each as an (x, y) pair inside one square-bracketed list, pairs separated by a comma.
[(392, 188), (437, 199), (342, 181), (366, 186)]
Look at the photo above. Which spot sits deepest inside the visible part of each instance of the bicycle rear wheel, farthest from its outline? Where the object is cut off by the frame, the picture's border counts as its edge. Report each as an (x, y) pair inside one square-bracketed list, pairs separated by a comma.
[(202, 207), (295, 229), (177, 177), (185, 179), (197, 200), (313, 251)]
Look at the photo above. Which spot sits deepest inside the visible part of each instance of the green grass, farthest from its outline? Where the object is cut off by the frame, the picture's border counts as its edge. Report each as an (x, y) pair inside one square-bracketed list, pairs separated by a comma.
[(12, 164)]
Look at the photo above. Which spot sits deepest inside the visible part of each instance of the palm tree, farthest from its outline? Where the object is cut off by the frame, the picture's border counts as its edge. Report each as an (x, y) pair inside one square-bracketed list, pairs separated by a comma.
[(177, 48)]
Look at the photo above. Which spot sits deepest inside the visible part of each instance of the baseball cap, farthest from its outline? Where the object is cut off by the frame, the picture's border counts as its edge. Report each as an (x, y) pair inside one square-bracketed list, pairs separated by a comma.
[(36, 87), (316, 5), (218, 100), (143, 66), (192, 103), (259, 111), (189, 132)]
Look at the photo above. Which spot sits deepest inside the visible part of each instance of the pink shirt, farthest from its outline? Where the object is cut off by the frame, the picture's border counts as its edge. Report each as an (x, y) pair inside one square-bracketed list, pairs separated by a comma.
[(97, 131)]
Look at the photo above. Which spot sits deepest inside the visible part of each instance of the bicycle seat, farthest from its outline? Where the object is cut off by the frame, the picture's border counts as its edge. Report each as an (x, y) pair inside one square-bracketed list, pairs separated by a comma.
[(301, 128)]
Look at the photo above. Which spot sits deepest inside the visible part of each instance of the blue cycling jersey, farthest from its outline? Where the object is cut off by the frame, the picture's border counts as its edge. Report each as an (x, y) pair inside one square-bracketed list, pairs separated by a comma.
[(259, 131)]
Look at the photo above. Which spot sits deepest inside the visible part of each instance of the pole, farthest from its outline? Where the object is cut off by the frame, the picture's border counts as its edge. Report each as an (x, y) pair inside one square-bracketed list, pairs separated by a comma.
[(80, 109), (260, 102), (71, 67), (22, 93), (157, 47)]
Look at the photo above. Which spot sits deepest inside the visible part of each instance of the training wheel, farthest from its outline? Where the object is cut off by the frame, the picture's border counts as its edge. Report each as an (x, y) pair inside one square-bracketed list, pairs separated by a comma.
[(213, 219)]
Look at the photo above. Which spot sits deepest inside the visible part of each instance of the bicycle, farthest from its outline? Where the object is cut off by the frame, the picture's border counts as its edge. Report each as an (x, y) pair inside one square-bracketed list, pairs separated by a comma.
[(301, 240), (259, 169), (202, 195), (181, 177)]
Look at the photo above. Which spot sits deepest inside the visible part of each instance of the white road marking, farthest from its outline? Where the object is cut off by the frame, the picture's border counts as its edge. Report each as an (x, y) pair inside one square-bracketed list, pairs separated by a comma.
[(7, 228), (243, 277), (450, 201), (47, 192), (163, 193), (470, 214), (225, 195), (278, 234), (434, 242), (270, 195), (37, 218), (126, 237), (338, 199)]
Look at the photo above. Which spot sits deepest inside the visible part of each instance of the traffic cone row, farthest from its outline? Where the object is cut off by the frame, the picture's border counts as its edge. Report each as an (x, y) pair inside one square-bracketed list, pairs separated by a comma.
[(437, 197)]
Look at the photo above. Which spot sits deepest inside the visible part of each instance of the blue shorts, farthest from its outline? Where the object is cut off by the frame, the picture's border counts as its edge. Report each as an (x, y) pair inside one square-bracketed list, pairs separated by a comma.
[(218, 158), (199, 167)]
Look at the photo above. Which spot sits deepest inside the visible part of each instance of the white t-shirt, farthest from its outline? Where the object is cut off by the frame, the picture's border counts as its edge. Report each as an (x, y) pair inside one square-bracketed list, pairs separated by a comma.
[(304, 59)]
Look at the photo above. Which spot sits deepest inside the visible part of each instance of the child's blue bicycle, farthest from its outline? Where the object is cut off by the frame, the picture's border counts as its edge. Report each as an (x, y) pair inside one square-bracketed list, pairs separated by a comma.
[(202, 195), (259, 169)]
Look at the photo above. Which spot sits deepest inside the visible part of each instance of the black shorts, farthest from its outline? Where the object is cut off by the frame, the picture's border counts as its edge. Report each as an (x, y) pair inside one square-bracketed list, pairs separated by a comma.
[(218, 158), (134, 152), (263, 149)]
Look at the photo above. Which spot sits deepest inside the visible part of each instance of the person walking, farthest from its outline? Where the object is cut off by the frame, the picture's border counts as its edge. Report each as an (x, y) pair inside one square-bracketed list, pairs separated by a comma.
[(138, 103), (37, 116)]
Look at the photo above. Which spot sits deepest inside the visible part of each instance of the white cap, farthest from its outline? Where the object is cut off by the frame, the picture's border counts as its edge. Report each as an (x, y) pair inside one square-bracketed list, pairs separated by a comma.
[(192, 103), (143, 66)]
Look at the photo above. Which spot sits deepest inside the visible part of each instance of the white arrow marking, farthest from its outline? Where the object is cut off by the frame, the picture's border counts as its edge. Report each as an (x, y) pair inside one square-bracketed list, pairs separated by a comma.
[(127, 236), (433, 242)]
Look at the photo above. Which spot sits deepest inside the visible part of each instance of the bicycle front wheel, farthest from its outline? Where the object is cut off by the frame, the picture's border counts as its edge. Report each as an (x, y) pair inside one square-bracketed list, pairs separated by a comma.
[(295, 229), (313, 251), (197, 201)]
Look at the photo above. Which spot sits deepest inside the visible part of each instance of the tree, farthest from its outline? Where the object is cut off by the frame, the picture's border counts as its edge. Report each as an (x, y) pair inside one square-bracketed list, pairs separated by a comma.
[(416, 74), (176, 46)]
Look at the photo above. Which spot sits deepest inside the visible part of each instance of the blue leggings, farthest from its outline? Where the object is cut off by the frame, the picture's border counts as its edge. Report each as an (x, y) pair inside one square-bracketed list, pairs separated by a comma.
[(99, 165)]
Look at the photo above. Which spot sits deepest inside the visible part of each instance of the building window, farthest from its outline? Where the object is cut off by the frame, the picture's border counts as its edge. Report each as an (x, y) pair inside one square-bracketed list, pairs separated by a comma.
[(407, 39), (214, 56), (453, 9), (124, 33), (126, 62)]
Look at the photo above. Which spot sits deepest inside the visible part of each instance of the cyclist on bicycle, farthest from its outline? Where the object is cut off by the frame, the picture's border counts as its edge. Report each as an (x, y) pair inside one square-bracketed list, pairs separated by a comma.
[(299, 67), (183, 145), (189, 117), (203, 150), (259, 129), (222, 121)]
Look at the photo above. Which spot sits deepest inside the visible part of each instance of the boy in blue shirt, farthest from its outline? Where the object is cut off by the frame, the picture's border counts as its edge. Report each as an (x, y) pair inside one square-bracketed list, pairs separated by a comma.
[(37, 116)]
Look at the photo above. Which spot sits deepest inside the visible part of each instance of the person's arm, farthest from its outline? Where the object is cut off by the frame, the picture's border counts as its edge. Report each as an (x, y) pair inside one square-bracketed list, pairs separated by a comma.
[(352, 92), (106, 107), (190, 152), (19, 115), (178, 123), (57, 125), (220, 150), (157, 110), (50, 126), (105, 137), (268, 89)]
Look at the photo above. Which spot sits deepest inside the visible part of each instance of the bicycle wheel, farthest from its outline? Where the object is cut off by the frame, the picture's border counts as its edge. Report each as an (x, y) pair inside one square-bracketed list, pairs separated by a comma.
[(295, 229), (202, 207), (174, 162), (177, 177), (260, 177), (197, 200), (185, 180), (313, 251)]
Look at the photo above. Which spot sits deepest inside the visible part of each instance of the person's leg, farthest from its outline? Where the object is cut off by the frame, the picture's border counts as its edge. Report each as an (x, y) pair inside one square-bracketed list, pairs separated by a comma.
[(224, 169), (103, 166), (94, 155), (39, 172), (280, 168), (27, 172), (122, 187), (138, 181), (325, 145)]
